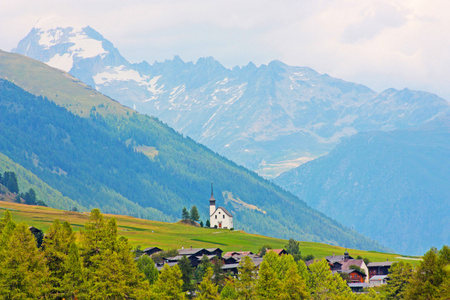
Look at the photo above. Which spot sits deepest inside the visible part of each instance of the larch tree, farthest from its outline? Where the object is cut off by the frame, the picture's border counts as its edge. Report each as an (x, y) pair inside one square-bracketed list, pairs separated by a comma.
[(229, 292), (399, 275), (111, 270), (23, 274), (169, 284), (55, 245), (245, 285), (73, 283), (207, 289), (429, 276), (322, 284), (268, 286), (293, 285)]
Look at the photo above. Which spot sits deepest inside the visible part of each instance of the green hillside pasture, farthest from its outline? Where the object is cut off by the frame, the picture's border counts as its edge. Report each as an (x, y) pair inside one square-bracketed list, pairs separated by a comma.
[(58, 86), (147, 233)]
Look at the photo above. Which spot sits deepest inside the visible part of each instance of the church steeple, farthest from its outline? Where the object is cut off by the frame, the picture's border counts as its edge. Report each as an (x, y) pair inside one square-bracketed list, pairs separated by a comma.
[(212, 201)]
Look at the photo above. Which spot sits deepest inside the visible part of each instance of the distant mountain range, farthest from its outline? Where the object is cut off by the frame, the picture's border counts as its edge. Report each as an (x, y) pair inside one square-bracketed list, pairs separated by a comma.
[(77, 147), (270, 118), (392, 186), (394, 152)]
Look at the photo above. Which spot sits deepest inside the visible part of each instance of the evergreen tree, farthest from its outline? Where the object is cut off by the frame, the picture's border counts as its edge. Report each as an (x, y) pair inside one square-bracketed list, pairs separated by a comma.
[(293, 248), (207, 224), (399, 275), (146, 265), (23, 274), (202, 267), (30, 197), (207, 289), (10, 182), (201, 224), (194, 215), (185, 214), (187, 274), (169, 284), (218, 275), (262, 251)]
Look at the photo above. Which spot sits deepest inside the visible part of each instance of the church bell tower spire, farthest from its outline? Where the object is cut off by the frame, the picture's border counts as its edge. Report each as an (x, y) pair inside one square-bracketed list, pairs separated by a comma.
[(212, 202)]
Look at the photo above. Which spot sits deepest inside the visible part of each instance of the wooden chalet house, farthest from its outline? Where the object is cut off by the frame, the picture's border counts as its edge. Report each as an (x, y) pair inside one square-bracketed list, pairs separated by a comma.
[(379, 268)]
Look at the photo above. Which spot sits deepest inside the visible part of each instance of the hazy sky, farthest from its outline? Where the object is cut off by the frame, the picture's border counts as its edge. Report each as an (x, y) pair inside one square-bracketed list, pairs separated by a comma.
[(382, 44)]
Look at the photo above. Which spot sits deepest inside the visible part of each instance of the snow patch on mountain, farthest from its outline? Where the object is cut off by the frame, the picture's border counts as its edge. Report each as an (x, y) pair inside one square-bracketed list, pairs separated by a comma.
[(63, 62)]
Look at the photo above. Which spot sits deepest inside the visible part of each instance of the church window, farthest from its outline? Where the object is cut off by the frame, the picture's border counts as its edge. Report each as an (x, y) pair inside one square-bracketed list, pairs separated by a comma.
[(224, 216), (216, 216)]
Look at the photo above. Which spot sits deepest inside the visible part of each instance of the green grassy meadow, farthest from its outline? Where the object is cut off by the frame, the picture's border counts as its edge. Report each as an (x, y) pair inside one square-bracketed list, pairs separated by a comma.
[(147, 233)]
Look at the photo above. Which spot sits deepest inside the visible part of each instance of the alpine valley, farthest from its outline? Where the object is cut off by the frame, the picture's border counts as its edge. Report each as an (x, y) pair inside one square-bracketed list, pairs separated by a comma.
[(376, 162), (77, 147)]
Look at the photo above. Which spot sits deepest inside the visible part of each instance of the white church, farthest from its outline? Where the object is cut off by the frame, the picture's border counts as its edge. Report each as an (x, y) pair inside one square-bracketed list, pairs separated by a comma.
[(219, 217)]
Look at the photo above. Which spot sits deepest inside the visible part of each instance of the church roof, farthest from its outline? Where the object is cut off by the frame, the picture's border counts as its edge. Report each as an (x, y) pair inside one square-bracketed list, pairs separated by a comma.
[(224, 210)]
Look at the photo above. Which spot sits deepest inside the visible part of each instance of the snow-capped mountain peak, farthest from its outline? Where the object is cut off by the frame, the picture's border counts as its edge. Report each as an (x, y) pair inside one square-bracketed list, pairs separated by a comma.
[(62, 43)]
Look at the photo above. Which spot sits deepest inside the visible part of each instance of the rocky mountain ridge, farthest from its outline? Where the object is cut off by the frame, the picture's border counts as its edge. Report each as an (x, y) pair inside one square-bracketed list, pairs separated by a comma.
[(269, 118)]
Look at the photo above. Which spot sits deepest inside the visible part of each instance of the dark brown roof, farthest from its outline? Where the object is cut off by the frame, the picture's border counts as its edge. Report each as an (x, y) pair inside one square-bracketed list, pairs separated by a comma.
[(334, 258), (381, 264), (152, 248), (190, 251), (277, 251)]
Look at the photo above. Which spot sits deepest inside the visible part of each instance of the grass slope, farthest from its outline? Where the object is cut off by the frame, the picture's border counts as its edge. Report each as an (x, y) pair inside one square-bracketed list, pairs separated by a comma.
[(62, 88), (148, 233)]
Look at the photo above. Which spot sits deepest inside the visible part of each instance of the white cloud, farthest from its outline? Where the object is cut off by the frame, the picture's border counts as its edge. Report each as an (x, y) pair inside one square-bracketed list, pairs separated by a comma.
[(380, 43)]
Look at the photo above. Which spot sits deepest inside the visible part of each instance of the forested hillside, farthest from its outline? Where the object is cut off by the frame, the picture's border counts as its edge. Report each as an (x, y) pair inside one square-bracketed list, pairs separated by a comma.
[(95, 162), (392, 186)]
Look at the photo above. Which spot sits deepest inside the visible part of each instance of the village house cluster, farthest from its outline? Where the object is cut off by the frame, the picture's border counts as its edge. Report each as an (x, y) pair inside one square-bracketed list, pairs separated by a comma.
[(230, 260), (360, 275), (363, 276)]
